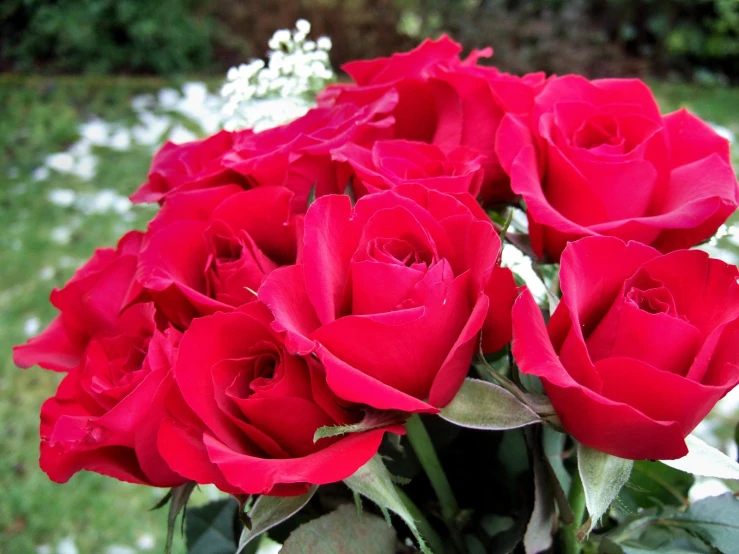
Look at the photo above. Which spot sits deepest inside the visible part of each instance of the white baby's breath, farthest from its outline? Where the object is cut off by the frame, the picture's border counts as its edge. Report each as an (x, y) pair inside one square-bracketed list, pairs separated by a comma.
[(296, 70)]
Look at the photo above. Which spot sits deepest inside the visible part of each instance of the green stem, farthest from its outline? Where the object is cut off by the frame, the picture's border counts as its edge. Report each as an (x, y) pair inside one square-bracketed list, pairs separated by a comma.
[(424, 527), (424, 449), (570, 542)]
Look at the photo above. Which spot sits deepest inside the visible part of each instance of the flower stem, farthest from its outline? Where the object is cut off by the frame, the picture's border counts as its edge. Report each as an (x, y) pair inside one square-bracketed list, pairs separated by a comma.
[(424, 449), (424, 527), (570, 541)]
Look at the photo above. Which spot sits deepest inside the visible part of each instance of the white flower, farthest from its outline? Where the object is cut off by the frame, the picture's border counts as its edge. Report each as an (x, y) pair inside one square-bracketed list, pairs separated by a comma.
[(296, 67), (302, 26), (324, 43)]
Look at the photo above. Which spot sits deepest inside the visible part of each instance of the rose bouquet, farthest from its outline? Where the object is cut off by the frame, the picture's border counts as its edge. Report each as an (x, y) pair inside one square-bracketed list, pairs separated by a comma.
[(319, 314)]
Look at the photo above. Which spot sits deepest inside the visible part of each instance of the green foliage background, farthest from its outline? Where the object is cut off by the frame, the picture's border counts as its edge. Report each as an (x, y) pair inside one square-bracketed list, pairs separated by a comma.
[(695, 39)]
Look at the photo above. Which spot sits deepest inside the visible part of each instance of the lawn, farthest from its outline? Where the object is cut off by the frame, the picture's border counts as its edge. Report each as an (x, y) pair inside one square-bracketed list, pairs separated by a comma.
[(49, 226)]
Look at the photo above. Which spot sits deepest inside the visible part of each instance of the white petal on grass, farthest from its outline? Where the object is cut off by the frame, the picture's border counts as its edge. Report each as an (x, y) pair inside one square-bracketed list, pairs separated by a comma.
[(120, 140), (95, 131), (142, 102), (119, 549), (66, 546), (61, 235), (46, 273), (69, 261), (179, 135), (167, 98), (44, 549), (86, 167), (62, 197), (146, 542), (31, 326), (61, 161), (150, 129), (40, 173)]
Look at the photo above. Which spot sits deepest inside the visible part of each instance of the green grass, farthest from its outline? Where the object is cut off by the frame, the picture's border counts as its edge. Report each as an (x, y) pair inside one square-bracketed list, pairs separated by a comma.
[(39, 117)]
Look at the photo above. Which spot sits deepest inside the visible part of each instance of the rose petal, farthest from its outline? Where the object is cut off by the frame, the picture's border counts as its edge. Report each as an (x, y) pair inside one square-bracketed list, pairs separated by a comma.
[(660, 395), (502, 292), (284, 292), (595, 421), (334, 463)]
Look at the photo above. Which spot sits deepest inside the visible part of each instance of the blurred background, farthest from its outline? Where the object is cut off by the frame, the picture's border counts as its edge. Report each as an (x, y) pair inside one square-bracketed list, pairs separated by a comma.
[(90, 88)]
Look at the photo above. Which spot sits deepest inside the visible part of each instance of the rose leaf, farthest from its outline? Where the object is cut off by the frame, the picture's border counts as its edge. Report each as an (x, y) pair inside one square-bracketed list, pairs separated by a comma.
[(374, 482), (342, 530), (269, 511), (210, 528), (483, 405), (602, 477), (705, 460)]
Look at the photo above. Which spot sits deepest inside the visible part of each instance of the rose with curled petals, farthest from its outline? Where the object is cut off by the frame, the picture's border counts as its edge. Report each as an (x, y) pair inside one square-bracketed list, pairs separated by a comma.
[(443, 100), (597, 158), (392, 295), (193, 165), (640, 348), (89, 303), (245, 411), (210, 250), (389, 163)]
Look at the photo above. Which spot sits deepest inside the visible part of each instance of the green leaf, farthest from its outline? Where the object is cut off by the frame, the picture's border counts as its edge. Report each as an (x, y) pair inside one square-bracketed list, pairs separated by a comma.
[(553, 443), (349, 191), (602, 477), (342, 531), (715, 520), (311, 195), (538, 536), (483, 405), (179, 497), (705, 460), (656, 484), (210, 528), (663, 550), (269, 511), (374, 481), (373, 419), (506, 224)]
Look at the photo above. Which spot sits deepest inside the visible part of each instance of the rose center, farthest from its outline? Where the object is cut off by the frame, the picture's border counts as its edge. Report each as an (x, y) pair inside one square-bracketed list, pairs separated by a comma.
[(649, 295), (226, 249), (597, 131), (399, 250)]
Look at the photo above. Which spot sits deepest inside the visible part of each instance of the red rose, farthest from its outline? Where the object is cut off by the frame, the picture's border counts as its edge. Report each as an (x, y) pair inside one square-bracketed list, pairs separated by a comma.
[(105, 416), (389, 163), (246, 412), (390, 294), (190, 166), (596, 158), (209, 250), (297, 156), (90, 302), (640, 348), (444, 100)]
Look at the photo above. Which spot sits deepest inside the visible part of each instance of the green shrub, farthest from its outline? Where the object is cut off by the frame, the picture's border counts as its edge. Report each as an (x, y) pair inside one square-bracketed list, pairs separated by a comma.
[(105, 36)]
